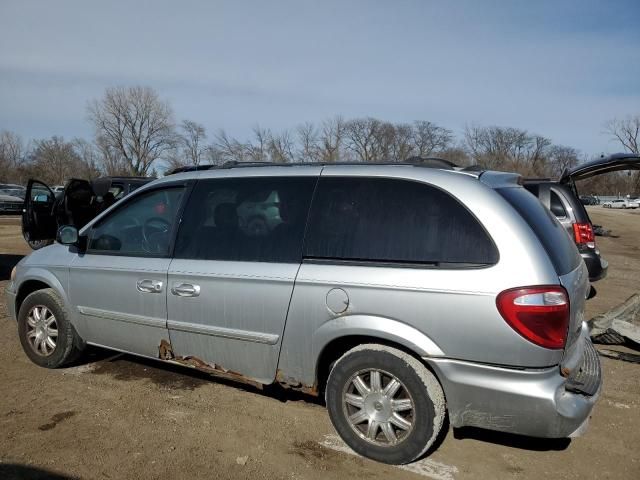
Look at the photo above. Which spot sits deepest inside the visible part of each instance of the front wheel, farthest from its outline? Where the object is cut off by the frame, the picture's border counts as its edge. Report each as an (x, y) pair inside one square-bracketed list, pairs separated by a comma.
[(385, 404), (45, 332)]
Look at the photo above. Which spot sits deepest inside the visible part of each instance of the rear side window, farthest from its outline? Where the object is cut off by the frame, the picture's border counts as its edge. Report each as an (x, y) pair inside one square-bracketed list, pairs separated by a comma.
[(558, 245), (259, 219), (556, 205), (389, 220)]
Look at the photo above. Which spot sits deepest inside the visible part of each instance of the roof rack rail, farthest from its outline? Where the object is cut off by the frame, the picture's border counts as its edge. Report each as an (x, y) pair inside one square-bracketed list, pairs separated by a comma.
[(433, 162), (426, 162)]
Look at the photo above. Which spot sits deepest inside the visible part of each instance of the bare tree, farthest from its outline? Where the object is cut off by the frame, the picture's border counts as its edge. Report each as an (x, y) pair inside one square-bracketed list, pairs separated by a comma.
[(280, 147), (134, 122), (309, 149), (429, 138), (402, 146), (229, 149), (332, 137), (193, 141), (362, 135), (55, 161), (562, 158), (258, 148), (626, 131), (507, 148), (89, 158), (111, 159), (12, 153)]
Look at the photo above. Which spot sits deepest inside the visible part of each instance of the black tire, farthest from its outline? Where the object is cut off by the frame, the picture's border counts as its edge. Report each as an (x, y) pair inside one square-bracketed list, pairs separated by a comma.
[(38, 244), (68, 345), (418, 385), (35, 244)]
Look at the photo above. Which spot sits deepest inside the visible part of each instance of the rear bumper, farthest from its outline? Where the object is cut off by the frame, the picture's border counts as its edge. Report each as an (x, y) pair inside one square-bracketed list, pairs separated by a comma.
[(596, 265), (538, 403)]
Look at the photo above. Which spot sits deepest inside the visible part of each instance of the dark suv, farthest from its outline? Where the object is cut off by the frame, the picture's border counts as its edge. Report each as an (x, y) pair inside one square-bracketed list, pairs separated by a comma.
[(44, 211), (562, 199)]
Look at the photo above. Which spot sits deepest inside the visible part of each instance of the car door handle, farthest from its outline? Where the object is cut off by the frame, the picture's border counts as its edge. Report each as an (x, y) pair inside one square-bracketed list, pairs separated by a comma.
[(185, 290), (149, 286)]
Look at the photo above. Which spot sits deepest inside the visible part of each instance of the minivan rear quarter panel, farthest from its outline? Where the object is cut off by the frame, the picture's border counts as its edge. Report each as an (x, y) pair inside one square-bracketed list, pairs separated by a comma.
[(422, 298)]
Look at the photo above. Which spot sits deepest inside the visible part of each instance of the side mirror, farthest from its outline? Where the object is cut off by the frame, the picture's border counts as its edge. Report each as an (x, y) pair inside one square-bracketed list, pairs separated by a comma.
[(68, 235)]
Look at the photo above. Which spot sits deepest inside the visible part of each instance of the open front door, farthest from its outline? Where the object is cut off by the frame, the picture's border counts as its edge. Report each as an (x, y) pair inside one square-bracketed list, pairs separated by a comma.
[(38, 217)]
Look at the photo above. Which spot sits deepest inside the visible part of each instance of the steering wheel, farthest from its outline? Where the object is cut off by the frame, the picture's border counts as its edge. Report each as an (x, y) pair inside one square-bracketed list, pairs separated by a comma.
[(154, 231)]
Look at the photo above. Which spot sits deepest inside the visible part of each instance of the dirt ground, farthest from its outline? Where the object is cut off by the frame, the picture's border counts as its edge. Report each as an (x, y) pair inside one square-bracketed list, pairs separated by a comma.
[(117, 417)]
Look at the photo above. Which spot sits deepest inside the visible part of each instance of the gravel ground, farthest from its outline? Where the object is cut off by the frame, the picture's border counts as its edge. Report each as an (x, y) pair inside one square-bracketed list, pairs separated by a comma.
[(114, 416)]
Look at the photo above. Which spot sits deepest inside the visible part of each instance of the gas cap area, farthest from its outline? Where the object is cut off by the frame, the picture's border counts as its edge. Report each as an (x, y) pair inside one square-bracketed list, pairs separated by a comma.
[(337, 300)]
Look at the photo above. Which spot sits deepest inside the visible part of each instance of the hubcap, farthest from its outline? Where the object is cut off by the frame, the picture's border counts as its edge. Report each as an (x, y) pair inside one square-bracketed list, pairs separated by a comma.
[(378, 407), (42, 330)]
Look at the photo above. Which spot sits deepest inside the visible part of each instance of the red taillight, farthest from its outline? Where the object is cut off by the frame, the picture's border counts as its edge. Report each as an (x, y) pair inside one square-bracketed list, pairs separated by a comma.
[(583, 233), (539, 314)]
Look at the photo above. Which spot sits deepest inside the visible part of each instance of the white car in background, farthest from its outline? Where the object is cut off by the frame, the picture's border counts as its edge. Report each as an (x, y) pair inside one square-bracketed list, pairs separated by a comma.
[(621, 203)]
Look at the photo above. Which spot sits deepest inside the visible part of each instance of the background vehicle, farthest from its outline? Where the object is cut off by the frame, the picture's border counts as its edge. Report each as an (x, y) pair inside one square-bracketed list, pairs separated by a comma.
[(562, 199), (10, 203), (620, 203), (79, 202), (385, 288), (589, 200)]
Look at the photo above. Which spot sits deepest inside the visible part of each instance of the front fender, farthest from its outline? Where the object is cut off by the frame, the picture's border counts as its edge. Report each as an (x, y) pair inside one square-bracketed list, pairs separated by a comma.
[(55, 277)]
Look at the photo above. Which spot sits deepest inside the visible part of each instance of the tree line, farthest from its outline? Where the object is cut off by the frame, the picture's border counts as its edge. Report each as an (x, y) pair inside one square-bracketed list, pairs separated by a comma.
[(135, 133)]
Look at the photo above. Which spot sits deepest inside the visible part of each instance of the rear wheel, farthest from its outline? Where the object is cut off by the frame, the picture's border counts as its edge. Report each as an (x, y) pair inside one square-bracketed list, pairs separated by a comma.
[(384, 403), (45, 332)]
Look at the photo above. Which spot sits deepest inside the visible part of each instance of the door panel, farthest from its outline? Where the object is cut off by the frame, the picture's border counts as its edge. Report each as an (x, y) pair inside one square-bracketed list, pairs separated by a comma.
[(38, 219), (236, 320), (119, 287), (113, 310), (237, 254)]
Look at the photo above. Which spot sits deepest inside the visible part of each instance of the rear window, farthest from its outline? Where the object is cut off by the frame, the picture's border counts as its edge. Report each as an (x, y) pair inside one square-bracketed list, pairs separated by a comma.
[(559, 246), (394, 221)]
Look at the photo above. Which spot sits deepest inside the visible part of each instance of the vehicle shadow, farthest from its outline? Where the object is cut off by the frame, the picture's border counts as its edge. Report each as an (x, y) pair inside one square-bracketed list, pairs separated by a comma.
[(7, 262), (512, 440), (13, 471)]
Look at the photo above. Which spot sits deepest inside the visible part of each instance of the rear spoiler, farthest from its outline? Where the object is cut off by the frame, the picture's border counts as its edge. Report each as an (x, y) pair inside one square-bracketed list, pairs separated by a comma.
[(496, 179)]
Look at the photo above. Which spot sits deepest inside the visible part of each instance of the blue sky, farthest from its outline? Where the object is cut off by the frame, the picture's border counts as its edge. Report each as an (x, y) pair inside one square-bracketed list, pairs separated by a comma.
[(556, 68)]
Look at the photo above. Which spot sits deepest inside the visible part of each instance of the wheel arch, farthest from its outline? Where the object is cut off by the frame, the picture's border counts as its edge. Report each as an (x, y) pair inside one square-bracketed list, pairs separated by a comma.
[(38, 279), (333, 341)]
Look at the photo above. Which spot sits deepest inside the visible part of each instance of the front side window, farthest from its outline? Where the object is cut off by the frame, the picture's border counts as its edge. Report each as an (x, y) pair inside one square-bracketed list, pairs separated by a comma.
[(142, 226), (259, 219), (392, 220)]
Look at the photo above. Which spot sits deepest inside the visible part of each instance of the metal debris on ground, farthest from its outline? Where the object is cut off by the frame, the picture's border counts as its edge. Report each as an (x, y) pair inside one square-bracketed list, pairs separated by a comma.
[(600, 231), (619, 325), (624, 356)]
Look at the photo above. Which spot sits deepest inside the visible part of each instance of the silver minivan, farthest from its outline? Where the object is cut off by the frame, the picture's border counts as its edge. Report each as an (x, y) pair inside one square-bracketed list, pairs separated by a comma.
[(399, 293)]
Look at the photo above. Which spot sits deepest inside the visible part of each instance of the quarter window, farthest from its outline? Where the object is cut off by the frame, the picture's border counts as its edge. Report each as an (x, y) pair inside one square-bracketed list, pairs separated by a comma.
[(388, 220), (257, 219), (142, 226), (556, 206)]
